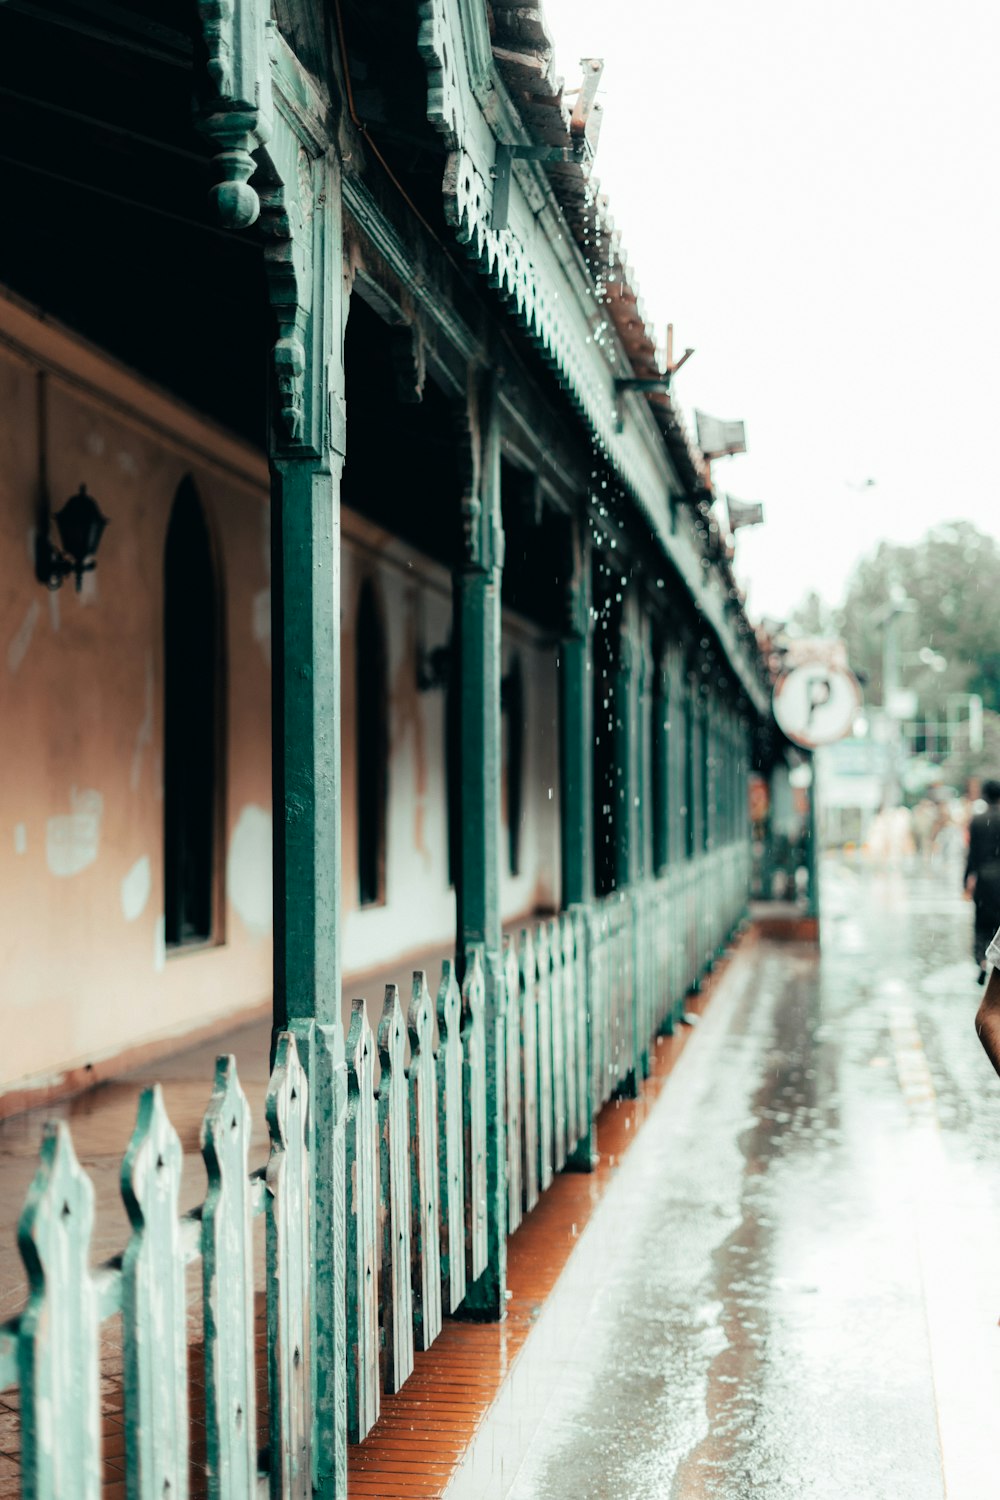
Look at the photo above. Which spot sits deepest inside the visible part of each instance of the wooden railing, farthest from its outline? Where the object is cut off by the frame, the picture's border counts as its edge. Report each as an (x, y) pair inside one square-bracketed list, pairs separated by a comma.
[(583, 995)]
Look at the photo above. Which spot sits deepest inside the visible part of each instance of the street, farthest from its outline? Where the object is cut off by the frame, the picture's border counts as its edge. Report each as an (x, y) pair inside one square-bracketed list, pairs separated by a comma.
[(792, 1286)]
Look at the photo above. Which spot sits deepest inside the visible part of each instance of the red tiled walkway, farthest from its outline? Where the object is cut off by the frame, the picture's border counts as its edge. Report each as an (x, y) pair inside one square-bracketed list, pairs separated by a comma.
[(424, 1430)]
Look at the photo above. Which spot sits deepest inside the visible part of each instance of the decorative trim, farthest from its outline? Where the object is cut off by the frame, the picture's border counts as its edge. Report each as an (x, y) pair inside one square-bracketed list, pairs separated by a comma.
[(535, 266), (238, 118)]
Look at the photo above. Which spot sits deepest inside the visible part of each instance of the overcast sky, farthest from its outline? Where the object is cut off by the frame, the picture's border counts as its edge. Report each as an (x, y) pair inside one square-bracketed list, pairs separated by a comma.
[(808, 191)]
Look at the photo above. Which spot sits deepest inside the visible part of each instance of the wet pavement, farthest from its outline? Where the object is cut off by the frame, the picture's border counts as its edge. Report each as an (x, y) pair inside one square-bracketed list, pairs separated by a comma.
[(792, 1286)]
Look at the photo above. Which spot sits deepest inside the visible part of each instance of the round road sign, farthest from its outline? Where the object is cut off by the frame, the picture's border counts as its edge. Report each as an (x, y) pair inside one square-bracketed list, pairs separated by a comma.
[(816, 704)]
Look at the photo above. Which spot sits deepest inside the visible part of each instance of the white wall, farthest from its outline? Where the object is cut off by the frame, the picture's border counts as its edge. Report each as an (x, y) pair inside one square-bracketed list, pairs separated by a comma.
[(419, 911)]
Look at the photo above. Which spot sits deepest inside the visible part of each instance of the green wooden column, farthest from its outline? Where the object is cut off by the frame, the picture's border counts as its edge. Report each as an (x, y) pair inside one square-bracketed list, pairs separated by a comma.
[(307, 461), (476, 591), (265, 118), (576, 778), (662, 794), (624, 738), (642, 808), (625, 787), (700, 768)]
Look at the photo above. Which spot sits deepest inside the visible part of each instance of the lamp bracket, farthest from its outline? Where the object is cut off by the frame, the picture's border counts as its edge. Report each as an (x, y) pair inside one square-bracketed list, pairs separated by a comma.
[(505, 155)]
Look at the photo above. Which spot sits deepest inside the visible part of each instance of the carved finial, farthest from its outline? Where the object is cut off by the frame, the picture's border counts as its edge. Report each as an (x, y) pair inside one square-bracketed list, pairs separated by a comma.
[(237, 117)]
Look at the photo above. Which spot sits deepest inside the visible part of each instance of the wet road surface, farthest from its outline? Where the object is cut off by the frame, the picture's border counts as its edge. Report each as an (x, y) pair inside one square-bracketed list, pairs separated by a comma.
[(792, 1288)]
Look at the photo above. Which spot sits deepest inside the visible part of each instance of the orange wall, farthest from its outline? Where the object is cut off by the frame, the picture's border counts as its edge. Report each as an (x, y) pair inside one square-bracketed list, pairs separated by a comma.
[(82, 959), (84, 973)]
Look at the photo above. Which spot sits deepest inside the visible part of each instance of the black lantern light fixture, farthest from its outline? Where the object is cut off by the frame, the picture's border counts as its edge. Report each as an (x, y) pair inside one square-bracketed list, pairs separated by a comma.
[(81, 526)]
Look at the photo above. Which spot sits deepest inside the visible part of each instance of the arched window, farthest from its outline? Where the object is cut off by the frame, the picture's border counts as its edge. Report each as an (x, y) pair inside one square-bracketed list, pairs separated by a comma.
[(191, 758), (513, 707), (372, 741)]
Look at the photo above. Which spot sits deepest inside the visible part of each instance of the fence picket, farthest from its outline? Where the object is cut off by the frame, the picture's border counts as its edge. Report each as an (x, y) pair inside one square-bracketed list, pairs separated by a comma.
[(362, 1230), (598, 996), (528, 1009), (394, 1203), (451, 1138), (513, 1058), (289, 1292), (426, 1223), (557, 1021), (57, 1339), (584, 1016), (154, 1313), (543, 990), (227, 1290), (570, 1002), (474, 1045)]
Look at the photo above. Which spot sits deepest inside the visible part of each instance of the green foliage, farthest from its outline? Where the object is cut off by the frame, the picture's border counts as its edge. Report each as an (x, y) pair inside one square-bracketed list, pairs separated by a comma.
[(965, 763), (953, 578)]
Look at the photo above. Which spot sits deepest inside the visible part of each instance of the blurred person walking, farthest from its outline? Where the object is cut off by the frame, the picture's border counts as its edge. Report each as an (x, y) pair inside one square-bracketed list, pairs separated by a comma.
[(982, 873)]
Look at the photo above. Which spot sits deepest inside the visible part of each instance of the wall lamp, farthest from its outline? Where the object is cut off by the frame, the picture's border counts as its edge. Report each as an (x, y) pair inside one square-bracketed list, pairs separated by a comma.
[(80, 525)]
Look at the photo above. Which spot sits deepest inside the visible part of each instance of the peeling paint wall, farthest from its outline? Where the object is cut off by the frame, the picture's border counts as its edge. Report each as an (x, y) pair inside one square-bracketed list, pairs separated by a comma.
[(85, 973), (85, 970)]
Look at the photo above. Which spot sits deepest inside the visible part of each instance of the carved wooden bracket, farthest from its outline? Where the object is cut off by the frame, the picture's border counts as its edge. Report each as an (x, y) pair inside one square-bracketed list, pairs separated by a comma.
[(285, 257)]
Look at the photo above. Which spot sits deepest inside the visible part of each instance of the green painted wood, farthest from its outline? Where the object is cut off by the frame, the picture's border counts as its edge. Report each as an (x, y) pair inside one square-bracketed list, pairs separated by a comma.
[(583, 1022), (572, 1002), (228, 1289), (474, 1093), (362, 1228), (557, 1019), (57, 1338), (451, 1138), (395, 1206), (289, 1277), (424, 1184), (598, 1003), (302, 239), (623, 737), (512, 1013), (543, 1008), (470, 106), (612, 912), (154, 1310), (528, 1014), (576, 737), (477, 583), (576, 726), (321, 1053)]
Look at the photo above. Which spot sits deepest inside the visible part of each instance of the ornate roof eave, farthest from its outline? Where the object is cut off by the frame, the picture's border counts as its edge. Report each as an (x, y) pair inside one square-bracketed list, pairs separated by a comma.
[(559, 265)]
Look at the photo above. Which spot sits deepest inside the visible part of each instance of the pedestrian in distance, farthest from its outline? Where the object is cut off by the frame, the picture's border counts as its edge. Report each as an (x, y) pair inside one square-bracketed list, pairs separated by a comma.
[(982, 874)]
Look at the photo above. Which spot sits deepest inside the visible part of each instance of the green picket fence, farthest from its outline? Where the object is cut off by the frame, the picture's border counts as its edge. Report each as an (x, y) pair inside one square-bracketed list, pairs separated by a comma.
[(584, 994)]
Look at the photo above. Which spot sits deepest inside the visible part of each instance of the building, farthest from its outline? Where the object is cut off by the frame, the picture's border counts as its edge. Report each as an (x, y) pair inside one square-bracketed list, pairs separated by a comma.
[(404, 540)]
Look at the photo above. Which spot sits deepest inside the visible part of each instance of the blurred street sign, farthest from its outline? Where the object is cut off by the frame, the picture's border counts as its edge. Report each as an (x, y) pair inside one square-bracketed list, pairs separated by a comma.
[(717, 438), (816, 703)]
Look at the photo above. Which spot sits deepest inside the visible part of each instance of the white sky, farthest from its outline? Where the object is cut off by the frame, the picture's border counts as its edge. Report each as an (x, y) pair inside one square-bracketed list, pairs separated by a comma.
[(809, 192)]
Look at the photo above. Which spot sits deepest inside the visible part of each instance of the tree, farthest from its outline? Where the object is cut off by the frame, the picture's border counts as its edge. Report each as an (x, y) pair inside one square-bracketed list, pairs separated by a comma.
[(953, 578), (813, 617)]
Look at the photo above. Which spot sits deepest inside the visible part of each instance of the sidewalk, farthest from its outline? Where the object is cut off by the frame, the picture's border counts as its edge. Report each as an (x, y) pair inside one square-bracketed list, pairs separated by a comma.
[(791, 1286)]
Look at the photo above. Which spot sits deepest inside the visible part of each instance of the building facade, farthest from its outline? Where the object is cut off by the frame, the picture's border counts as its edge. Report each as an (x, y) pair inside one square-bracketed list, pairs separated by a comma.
[(411, 632)]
